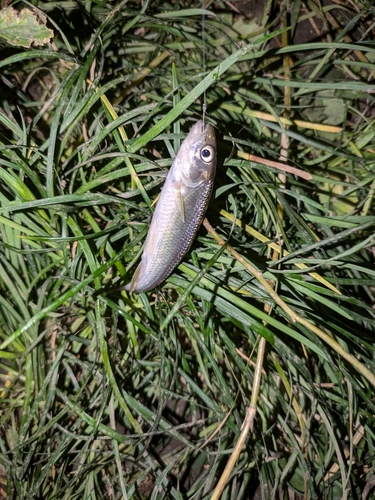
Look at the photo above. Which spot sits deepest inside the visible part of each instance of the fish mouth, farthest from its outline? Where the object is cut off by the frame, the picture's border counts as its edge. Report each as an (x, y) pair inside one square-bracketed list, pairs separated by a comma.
[(208, 131), (205, 127), (202, 126), (202, 131)]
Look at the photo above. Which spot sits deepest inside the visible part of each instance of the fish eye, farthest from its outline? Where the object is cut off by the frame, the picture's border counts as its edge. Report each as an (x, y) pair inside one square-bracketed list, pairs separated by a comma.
[(207, 153)]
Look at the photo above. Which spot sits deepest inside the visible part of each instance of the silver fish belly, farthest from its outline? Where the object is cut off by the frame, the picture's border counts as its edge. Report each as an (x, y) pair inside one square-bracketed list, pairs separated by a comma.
[(180, 209)]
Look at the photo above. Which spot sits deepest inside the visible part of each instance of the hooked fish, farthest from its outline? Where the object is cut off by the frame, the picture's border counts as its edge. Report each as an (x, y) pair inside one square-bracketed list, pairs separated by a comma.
[(180, 210)]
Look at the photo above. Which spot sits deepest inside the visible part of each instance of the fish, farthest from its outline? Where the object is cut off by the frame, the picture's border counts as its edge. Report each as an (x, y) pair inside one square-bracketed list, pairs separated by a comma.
[(180, 209)]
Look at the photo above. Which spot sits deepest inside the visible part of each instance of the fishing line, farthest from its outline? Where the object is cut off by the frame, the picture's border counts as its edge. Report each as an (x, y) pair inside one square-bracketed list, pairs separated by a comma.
[(204, 105)]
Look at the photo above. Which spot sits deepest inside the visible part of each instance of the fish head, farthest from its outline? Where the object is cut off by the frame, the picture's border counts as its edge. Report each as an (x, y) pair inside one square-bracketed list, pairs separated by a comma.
[(196, 159)]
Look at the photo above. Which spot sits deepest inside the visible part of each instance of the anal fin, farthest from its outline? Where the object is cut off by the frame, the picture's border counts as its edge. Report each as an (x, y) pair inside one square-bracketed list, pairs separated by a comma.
[(131, 287)]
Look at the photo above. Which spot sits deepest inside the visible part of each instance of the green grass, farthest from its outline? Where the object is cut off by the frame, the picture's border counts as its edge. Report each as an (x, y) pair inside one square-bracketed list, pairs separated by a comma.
[(106, 395)]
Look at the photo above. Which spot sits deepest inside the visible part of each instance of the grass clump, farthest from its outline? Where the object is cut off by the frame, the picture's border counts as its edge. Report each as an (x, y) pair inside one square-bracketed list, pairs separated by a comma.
[(271, 314)]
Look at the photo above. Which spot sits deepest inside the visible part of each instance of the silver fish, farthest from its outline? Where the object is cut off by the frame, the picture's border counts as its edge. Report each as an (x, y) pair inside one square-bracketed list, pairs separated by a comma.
[(180, 209)]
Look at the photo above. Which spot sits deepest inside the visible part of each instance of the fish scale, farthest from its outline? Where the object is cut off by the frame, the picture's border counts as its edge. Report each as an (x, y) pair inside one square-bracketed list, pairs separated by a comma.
[(180, 210), (174, 248)]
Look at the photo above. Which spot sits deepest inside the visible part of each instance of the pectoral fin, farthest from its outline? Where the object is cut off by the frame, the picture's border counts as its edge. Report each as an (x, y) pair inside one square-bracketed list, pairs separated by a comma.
[(155, 200), (180, 203)]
